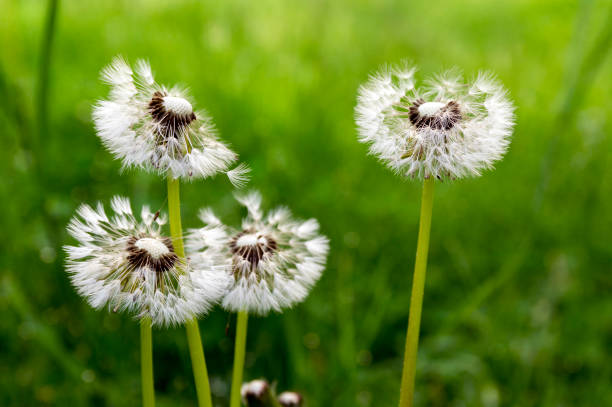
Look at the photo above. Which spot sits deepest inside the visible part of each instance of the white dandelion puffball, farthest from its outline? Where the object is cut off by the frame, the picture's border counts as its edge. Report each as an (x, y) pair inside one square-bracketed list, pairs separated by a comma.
[(446, 128), (128, 265), (149, 126), (273, 260)]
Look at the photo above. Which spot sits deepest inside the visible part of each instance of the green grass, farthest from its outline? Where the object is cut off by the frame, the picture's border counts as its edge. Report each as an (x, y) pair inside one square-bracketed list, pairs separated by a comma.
[(517, 308)]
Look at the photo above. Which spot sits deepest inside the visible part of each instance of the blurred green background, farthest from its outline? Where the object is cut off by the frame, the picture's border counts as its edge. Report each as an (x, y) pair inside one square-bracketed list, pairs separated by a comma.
[(518, 304)]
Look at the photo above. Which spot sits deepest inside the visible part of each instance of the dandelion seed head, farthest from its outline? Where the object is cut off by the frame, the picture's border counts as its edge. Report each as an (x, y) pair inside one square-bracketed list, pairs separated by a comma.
[(273, 260), (151, 126), (445, 128), (129, 265)]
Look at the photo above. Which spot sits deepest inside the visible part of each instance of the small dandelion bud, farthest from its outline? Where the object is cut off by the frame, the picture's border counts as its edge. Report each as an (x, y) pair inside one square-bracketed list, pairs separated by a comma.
[(290, 399), (149, 126), (444, 129), (273, 260), (256, 393), (129, 265)]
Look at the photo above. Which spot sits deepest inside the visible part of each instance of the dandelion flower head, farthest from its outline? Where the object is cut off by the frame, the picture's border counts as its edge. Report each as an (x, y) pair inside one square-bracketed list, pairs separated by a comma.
[(446, 128), (129, 265), (150, 126), (273, 260)]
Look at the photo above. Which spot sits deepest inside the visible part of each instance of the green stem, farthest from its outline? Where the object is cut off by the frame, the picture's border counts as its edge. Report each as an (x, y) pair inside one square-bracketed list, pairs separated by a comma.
[(200, 373), (146, 363), (174, 209), (416, 299), (239, 351)]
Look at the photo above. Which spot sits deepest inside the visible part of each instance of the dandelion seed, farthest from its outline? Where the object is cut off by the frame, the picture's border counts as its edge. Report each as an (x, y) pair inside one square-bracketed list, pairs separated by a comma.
[(128, 265), (150, 126), (239, 176), (273, 260), (444, 129)]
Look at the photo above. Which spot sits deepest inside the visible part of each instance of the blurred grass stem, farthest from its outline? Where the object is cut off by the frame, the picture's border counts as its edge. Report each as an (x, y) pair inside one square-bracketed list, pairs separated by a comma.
[(44, 69), (146, 363), (37, 142), (239, 351), (200, 373), (416, 299)]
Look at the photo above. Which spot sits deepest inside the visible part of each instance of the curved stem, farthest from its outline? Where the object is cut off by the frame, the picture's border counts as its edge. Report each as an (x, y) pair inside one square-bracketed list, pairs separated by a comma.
[(416, 299), (239, 351), (146, 363), (200, 373)]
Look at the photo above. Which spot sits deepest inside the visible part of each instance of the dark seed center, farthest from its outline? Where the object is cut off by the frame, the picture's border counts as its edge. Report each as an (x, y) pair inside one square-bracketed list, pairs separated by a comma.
[(170, 123), (444, 119), (159, 261), (252, 247)]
